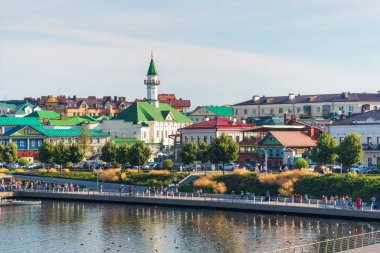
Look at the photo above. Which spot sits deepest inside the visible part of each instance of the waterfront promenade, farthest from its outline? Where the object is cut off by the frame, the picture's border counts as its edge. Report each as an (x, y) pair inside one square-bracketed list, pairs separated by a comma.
[(226, 202)]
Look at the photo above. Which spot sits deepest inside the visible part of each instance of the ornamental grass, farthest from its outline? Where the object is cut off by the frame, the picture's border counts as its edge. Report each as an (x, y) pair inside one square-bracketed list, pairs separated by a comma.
[(110, 175), (3, 170), (19, 170), (66, 170), (159, 172), (42, 170), (242, 171), (52, 170), (132, 170), (285, 180), (208, 184)]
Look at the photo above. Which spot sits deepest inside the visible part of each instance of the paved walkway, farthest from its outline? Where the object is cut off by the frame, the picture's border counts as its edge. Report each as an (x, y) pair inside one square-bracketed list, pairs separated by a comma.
[(368, 249)]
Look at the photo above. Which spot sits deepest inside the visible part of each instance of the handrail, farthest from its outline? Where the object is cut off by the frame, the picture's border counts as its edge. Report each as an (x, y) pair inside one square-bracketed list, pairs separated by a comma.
[(335, 245)]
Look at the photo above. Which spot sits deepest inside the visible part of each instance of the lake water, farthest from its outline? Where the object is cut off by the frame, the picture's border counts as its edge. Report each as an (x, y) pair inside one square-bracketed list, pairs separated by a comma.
[(57, 226)]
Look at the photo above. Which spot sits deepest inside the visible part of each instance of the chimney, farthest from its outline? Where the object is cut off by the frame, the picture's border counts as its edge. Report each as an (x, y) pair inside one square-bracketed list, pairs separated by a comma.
[(115, 99), (62, 116), (311, 132), (243, 120), (45, 120), (292, 96), (234, 119), (75, 97)]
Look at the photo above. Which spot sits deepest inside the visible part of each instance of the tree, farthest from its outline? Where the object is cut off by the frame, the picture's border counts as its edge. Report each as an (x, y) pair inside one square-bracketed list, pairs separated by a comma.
[(301, 164), (23, 162), (203, 152), (350, 150), (139, 154), (223, 150), (84, 139), (61, 153), (46, 152), (122, 154), (109, 152), (326, 150), (10, 153), (162, 144), (167, 164), (189, 153), (1, 152), (378, 165), (75, 153)]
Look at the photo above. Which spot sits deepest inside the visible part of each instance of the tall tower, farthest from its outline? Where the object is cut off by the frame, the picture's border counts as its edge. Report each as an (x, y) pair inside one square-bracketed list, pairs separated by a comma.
[(152, 83)]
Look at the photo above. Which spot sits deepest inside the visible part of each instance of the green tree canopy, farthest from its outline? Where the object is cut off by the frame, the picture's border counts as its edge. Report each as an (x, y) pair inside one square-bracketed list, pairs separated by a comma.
[(23, 161), (189, 153), (84, 139), (326, 150), (76, 153), (301, 164), (61, 153), (1, 152), (139, 154), (168, 164), (109, 152), (122, 154), (350, 150), (46, 152), (203, 152), (10, 153), (223, 150)]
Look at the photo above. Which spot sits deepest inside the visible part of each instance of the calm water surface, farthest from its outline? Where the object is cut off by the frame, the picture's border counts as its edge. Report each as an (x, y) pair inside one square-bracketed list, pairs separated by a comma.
[(86, 227)]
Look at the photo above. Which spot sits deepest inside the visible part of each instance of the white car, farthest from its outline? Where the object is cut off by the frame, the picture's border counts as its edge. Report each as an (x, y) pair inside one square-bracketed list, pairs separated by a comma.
[(230, 166), (357, 168)]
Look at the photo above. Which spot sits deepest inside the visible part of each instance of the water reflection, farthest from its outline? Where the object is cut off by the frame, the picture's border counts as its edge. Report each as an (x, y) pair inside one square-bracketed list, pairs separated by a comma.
[(87, 227)]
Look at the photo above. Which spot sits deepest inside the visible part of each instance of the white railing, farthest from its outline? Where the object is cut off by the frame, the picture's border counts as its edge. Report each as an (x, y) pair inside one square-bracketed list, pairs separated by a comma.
[(335, 245)]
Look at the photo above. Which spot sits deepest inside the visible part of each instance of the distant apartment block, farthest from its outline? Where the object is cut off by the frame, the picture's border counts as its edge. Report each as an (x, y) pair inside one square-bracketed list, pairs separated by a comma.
[(323, 105)]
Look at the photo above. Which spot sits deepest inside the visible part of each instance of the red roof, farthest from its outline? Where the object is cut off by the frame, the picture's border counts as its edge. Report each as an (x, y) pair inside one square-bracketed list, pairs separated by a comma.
[(219, 123), (293, 139)]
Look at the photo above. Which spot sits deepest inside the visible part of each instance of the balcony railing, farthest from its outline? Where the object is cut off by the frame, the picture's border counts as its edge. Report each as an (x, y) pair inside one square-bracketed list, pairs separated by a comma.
[(157, 82), (371, 147)]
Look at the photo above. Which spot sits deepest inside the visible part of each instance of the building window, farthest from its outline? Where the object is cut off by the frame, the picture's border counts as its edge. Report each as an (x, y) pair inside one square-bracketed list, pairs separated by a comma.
[(318, 109), (341, 108), (27, 130), (186, 139), (280, 110), (63, 139), (290, 110), (199, 139), (271, 111), (245, 111), (237, 138), (32, 143), (351, 108), (158, 134), (51, 140), (369, 160), (237, 111), (298, 109), (262, 110), (341, 139), (254, 111), (369, 140), (22, 144), (39, 142), (378, 140), (69, 140), (205, 139), (76, 140), (97, 140), (192, 139)]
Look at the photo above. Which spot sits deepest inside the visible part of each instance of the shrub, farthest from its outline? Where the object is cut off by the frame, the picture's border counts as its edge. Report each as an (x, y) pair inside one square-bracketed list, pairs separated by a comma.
[(42, 170), (132, 170), (23, 161), (52, 170), (66, 170), (167, 164), (110, 175), (19, 170), (301, 164), (3, 170)]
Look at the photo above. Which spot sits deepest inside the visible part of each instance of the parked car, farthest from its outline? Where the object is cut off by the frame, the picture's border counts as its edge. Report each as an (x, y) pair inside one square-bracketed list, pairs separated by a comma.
[(230, 166), (357, 168), (335, 168), (372, 169)]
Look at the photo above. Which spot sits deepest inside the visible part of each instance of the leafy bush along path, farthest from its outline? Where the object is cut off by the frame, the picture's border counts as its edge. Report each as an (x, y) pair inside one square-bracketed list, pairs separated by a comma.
[(132, 177), (292, 182)]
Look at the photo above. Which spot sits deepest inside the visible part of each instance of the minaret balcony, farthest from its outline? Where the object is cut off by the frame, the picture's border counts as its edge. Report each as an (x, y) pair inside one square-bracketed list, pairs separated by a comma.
[(155, 82)]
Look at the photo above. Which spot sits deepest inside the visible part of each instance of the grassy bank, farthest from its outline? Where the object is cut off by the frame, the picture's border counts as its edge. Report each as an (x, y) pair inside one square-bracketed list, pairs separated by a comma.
[(143, 178), (292, 182)]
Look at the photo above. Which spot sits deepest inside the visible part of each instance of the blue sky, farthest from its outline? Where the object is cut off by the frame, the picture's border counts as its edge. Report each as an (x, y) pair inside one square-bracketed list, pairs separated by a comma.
[(212, 52)]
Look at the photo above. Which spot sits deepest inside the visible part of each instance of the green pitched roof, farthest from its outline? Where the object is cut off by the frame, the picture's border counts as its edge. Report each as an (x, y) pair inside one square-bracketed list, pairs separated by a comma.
[(71, 121), (152, 68), (56, 132), (270, 120), (41, 114), (20, 108), (14, 121), (223, 111), (10, 106), (143, 111)]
